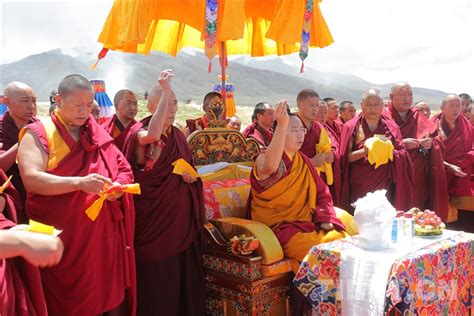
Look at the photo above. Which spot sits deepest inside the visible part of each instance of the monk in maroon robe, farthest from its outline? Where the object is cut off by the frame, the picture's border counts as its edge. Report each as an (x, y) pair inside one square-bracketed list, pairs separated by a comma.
[(308, 106), (429, 182), (119, 125), (66, 161), (261, 128), (169, 213), (203, 121), (20, 281), (457, 135), (333, 124), (21, 102), (347, 112), (360, 177)]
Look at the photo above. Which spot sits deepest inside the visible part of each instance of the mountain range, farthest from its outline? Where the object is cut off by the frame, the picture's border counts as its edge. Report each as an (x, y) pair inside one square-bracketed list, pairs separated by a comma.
[(254, 80)]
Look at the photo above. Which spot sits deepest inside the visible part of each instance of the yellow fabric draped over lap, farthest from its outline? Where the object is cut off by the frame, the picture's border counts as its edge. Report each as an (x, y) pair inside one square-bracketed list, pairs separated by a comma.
[(293, 198), (252, 27)]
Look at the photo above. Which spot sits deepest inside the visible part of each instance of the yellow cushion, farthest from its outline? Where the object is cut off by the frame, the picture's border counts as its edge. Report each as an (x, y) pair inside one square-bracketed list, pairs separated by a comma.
[(279, 267), (269, 249), (348, 220), (239, 170), (465, 203)]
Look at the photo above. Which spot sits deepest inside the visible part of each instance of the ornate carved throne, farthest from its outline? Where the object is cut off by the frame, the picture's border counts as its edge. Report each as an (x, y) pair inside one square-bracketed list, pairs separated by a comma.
[(253, 284), (236, 284)]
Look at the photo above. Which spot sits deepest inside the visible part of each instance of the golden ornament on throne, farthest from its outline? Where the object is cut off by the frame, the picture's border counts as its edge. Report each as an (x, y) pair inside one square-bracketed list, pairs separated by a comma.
[(218, 113)]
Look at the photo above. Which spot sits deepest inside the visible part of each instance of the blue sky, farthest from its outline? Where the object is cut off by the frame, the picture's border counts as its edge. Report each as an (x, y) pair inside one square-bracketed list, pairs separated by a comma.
[(428, 43)]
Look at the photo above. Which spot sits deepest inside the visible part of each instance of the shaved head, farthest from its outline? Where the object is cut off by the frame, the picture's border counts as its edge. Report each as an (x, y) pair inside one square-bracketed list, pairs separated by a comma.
[(72, 83), (21, 102), (451, 106), (13, 88), (401, 96), (400, 85), (121, 94), (371, 105), (371, 93), (450, 97)]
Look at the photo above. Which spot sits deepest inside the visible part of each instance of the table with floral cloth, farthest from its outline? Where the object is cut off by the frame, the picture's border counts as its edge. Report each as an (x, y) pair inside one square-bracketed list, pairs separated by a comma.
[(433, 277)]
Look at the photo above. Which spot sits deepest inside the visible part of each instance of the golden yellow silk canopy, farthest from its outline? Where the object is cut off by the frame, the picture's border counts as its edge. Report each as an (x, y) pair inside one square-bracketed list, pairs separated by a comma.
[(255, 27)]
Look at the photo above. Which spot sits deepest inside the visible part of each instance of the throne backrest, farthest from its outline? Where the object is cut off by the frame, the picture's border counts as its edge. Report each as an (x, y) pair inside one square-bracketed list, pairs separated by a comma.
[(213, 145)]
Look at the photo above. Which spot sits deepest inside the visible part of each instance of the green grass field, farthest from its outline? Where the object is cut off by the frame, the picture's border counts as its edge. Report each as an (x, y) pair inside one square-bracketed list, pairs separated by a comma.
[(184, 112)]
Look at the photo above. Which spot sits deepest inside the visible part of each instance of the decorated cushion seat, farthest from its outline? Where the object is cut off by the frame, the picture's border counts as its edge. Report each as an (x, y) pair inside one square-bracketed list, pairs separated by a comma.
[(270, 249), (226, 198)]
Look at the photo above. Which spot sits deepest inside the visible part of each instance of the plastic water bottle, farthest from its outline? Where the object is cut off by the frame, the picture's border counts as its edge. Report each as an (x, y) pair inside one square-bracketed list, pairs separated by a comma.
[(397, 228), (408, 228)]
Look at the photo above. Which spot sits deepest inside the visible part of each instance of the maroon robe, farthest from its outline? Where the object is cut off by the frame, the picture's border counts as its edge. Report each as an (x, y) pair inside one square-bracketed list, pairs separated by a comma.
[(309, 149), (459, 151), (261, 135), (335, 129), (360, 177), (341, 120), (9, 137), (20, 282), (124, 137), (196, 124), (97, 270), (429, 182), (169, 219)]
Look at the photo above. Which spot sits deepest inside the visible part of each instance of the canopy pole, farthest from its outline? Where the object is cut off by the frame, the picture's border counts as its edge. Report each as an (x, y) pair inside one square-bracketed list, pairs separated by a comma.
[(223, 61)]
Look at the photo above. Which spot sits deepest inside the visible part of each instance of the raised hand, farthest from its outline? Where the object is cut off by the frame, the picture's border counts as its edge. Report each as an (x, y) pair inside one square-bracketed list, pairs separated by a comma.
[(281, 113), (93, 183), (165, 79)]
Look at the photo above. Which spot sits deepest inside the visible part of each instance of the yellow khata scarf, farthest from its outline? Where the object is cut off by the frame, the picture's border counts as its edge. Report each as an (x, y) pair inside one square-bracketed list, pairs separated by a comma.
[(380, 150), (325, 146), (93, 211)]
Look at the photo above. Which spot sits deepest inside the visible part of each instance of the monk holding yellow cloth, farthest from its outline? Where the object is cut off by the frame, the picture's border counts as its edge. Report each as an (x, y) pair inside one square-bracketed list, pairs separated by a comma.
[(288, 195)]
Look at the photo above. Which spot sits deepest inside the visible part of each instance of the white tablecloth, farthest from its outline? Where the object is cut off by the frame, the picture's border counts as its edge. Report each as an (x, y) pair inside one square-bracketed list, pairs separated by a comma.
[(364, 274)]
